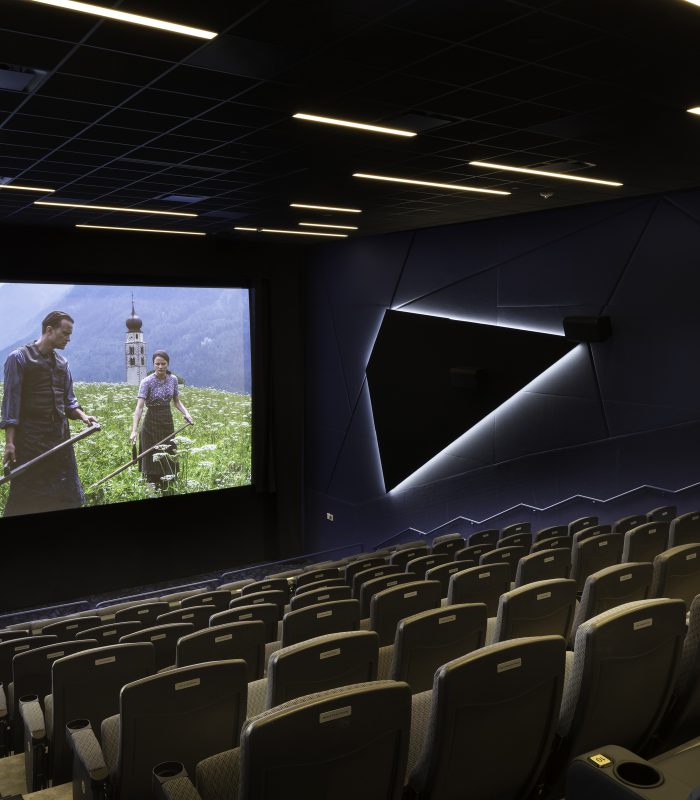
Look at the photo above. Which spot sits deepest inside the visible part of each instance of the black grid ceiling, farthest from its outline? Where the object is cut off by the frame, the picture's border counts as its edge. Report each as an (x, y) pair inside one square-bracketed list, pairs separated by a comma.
[(128, 116)]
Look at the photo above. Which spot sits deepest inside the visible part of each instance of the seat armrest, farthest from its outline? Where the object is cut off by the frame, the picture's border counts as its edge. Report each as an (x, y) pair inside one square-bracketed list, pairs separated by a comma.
[(33, 718), (3, 702), (87, 753), (35, 750), (171, 782)]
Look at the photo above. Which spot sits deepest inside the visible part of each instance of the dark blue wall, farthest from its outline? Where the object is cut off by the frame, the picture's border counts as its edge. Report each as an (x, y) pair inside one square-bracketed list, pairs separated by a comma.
[(603, 421)]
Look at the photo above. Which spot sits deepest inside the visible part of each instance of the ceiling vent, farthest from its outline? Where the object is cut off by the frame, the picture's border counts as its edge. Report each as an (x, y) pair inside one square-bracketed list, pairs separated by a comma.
[(183, 198), (21, 79)]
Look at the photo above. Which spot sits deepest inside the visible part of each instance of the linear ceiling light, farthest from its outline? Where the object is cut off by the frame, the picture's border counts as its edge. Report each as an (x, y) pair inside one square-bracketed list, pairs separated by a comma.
[(327, 208), (561, 175), (123, 16), (695, 109), (142, 230), (304, 233), (115, 208), (345, 123), (239, 228), (323, 225), (24, 188), (454, 186)]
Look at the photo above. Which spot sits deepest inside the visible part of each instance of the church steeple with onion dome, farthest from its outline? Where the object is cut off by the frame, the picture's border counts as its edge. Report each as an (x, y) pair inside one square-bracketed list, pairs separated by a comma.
[(134, 349)]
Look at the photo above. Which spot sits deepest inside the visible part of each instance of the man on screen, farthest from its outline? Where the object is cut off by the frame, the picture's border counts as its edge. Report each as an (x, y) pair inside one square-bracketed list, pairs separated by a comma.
[(37, 403)]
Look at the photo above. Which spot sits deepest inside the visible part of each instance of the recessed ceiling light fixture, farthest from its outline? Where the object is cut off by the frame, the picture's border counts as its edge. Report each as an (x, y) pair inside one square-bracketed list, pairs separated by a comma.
[(114, 208), (324, 225), (303, 233), (142, 230), (561, 175), (327, 208), (240, 228), (451, 186), (695, 109), (346, 123), (123, 16), (25, 188)]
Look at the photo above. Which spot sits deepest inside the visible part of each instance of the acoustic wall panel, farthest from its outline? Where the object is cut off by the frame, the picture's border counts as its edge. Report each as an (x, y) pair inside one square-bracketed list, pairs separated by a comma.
[(473, 299)]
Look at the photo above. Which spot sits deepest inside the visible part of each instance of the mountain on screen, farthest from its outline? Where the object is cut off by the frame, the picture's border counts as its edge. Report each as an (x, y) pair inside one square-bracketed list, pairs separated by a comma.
[(206, 332)]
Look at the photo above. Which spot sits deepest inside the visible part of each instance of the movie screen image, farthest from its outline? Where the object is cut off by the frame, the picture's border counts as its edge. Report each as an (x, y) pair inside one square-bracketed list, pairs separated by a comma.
[(117, 393)]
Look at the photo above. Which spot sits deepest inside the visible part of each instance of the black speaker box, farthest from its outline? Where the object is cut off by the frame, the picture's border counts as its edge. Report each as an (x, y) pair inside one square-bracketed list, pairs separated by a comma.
[(587, 329)]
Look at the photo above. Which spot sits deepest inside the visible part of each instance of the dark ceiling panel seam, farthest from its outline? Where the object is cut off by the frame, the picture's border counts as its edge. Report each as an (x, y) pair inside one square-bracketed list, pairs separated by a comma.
[(685, 211)]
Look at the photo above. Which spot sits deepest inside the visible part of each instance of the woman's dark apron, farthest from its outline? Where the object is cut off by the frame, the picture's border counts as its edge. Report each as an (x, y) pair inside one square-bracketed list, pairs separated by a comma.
[(157, 424)]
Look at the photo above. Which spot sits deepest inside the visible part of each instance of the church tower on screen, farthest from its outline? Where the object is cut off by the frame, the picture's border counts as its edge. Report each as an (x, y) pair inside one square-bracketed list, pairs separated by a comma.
[(134, 349)]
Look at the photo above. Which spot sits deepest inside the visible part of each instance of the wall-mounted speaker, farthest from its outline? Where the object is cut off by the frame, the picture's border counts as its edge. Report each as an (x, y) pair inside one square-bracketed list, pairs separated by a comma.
[(587, 329)]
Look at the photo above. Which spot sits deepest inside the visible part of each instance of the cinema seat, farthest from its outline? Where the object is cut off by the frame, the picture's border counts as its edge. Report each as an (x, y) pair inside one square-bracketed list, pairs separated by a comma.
[(324, 583), (197, 616), (544, 608), (446, 537), (610, 587), (219, 599), (391, 605), (320, 619), (370, 588), (662, 514), (235, 640), (145, 613), (488, 537), (109, 634), (315, 665), (236, 586), (516, 540), (444, 572), (553, 543), (645, 542), (268, 613), (346, 743), (551, 532), (483, 584), (315, 575), (321, 595), (419, 566), (625, 524), (594, 554), (6, 635), (359, 578), (267, 585), (474, 552), (362, 564), (514, 528), (543, 565), (164, 640), (401, 557), (68, 629), (11, 648), (685, 529), (448, 546), (504, 555), (157, 716), (677, 573), (426, 641), (486, 728), (274, 596), (581, 523), (83, 686), (587, 533)]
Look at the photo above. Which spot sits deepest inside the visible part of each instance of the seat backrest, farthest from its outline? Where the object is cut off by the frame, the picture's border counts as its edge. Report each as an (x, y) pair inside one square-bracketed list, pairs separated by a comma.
[(198, 616), (320, 584), (236, 586), (625, 524), (419, 566), (175, 598), (579, 524), (587, 533), (108, 634), (391, 605), (492, 721), (68, 629), (370, 574), (552, 532), (86, 686), (273, 596), (448, 546), (219, 598), (474, 551), (543, 608), (354, 739), (662, 514), (444, 572), (316, 575), (164, 640), (320, 619), (266, 585), (235, 640), (426, 641), (684, 529), (504, 555), (322, 663), (400, 558), (12, 647), (516, 540), (322, 595), (515, 528), (645, 542), (31, 674), (623, 671), (159, 714), (543, 565), (267, 612), (677, 573), (145, 613), (489, 537), (362, 564), (553, 543), (446, 537), (6, 635), (483, 584), (610, 587), (594, 554), (370, 588)]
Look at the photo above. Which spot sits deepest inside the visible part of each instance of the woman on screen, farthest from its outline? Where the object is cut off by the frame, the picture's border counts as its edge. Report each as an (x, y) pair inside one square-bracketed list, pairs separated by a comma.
[(156, 392)]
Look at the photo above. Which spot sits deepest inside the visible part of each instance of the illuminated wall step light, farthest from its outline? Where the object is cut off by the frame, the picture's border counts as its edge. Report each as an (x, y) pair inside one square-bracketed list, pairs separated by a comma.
[(123, 16), (19, 188), (142, 230), (115, 208), (451, 186), (560, 175), (346, 123), (324, 225), (327, 208)]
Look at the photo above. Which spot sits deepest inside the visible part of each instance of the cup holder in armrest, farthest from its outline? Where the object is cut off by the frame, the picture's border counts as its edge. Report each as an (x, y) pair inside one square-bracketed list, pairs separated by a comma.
[(636, 773)]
